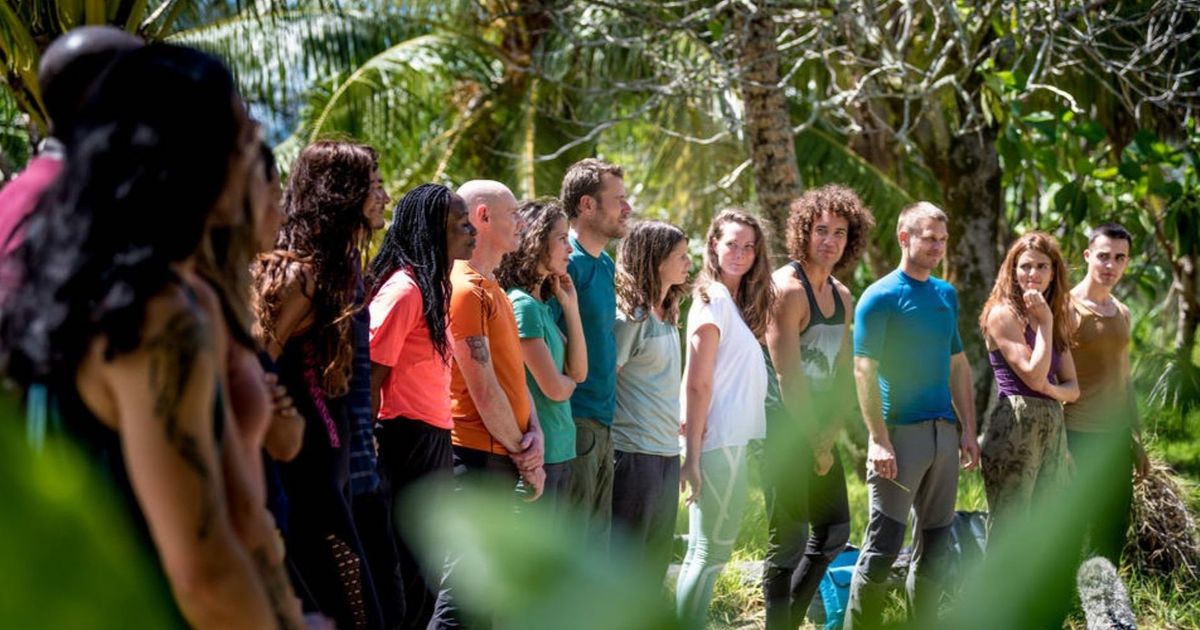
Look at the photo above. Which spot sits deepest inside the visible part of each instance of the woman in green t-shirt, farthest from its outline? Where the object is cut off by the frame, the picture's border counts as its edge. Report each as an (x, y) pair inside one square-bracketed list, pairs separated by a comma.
[(534, 274)]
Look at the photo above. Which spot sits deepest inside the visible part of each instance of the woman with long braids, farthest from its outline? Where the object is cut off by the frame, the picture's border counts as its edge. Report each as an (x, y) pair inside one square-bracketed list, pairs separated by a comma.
[(533, 274), (734, 297), (114, 324), (1026, 324), (409, 297), (305, 299), (652, 275)]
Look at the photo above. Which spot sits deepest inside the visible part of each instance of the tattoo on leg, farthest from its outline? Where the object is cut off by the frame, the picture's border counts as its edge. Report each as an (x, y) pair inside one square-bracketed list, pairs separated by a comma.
[(173, 353), (479, 349)]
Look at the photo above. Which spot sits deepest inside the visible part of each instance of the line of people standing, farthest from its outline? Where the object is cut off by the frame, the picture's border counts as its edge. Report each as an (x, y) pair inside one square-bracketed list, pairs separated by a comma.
[(265, 397)]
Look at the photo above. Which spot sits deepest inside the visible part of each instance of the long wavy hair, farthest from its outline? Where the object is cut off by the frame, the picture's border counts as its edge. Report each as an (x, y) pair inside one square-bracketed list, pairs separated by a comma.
[(416, 241), (143, 171), (323, 238), (756, 292), (520, 268), (837, 200), (1008, 292), (639, 283), (225, 257)]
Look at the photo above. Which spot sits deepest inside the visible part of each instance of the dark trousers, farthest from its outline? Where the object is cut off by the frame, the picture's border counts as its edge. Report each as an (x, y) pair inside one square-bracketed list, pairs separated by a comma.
[(809, 525), (592, 479), (645, 503), (411, 451), (373, 519), (558, 483), (1108, 522), (470, 467)]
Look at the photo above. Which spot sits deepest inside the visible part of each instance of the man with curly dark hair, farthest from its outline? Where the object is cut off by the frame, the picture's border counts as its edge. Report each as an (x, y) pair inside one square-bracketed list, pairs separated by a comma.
[(810, 392)]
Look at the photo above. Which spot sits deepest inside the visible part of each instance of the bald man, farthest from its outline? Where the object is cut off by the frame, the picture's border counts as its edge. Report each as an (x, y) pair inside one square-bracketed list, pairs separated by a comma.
[(496, 434), (67, 71)]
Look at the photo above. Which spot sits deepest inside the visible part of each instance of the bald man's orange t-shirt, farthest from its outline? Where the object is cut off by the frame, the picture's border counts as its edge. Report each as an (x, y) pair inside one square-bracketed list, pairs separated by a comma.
[(480, 308)]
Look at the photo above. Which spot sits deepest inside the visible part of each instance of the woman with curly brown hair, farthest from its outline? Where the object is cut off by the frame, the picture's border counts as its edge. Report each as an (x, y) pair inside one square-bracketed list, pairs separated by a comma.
[(811, 391), (305, 292), (651, 279), (734, 297), (1027, 327), (534, 274)]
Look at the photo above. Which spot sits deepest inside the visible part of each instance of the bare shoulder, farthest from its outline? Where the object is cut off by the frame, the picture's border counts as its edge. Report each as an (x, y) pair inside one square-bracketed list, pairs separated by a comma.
[(1004, 321), (843, 291), (789, 289), (299, 277)]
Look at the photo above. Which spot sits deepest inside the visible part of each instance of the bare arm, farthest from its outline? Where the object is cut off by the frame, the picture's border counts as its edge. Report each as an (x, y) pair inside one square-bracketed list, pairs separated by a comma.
[(843, 382), (866, 379), (783, 344), (295, 310), (881, 457), (474, 358), (256, 529), (553, 383), (575, 366), (697, 396), (163, 395), (1067, 389), (532, 456), (962, 393), (1007, 332), (379, 374)]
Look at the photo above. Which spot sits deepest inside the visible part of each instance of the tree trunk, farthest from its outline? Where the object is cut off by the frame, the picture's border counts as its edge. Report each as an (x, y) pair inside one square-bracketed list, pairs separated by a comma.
[(968, 172), (768, 127)]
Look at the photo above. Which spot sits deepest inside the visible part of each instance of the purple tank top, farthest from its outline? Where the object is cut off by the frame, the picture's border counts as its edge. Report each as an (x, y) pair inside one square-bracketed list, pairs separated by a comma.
[(1008, 381)]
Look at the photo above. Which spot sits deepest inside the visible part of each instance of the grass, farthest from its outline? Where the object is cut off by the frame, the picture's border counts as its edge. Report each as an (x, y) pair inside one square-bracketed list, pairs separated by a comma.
[(1158, 602)]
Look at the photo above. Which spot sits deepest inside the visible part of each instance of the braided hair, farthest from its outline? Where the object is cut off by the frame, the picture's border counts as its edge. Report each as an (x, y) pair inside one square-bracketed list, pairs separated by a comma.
[(416, 242)]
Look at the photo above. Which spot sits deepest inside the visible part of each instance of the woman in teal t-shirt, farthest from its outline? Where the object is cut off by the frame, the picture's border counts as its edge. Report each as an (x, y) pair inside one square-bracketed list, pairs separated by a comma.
[(534, 274)]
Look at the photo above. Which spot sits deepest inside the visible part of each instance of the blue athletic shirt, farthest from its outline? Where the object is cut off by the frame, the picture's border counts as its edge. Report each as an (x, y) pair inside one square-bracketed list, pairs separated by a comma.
[(910, 328)]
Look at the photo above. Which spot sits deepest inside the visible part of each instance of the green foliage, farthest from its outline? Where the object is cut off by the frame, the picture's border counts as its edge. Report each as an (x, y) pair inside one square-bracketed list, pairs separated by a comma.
[(526, 569), (68, 555)]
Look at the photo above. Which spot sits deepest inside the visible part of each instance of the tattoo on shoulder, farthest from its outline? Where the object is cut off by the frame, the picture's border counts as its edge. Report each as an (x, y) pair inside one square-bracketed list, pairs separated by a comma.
[(479, 349), (173, 352)]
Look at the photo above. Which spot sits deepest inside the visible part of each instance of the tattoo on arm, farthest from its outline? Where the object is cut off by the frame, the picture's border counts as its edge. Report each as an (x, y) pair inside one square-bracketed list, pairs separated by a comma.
[(479, 349), (173, 354)]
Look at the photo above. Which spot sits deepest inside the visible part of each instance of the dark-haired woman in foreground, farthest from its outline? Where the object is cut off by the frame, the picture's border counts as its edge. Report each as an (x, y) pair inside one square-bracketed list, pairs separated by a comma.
[(305, 299), (114, 322), (409, 297)]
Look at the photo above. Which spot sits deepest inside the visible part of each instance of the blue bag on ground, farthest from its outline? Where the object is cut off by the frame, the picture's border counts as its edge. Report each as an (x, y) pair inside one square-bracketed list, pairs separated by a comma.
[(835, 587)]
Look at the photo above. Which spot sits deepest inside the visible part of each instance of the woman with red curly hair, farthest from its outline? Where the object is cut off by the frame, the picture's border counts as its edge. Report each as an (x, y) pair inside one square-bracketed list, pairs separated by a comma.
[(1026, 325), (305, 292)]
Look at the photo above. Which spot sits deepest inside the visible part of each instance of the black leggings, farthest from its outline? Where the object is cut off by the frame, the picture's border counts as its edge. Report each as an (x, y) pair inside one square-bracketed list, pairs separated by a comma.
[(797, 557)]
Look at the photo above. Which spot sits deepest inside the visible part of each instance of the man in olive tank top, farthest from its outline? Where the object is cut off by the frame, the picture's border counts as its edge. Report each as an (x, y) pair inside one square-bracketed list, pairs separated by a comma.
[(1103, 422)]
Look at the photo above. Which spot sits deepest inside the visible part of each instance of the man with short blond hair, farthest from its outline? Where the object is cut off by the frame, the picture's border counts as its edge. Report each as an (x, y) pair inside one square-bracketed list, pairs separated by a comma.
[(914, 387)]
